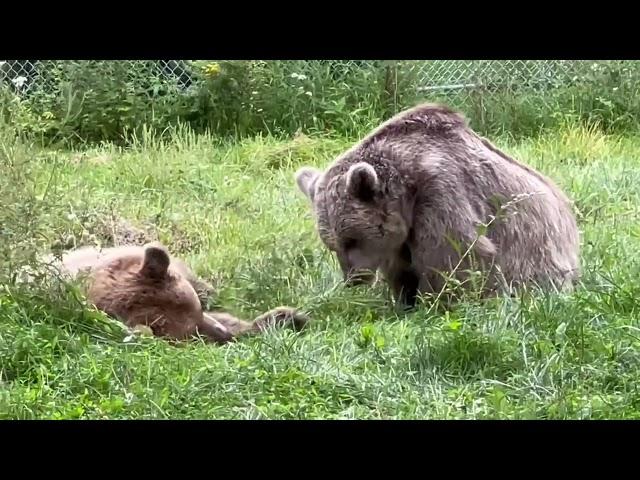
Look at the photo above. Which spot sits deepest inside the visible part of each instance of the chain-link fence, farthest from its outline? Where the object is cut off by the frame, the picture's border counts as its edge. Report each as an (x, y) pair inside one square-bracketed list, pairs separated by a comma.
[(26, 75), (462, 76), (438, 76)]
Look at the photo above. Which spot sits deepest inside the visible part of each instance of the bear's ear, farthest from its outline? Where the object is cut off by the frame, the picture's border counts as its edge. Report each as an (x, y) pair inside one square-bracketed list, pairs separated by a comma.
[(362, 181), (307, 178), (156, 261)]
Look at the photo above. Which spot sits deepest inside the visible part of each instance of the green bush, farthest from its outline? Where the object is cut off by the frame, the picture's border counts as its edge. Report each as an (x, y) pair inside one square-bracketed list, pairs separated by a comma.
[(93, 101), (282, 97)]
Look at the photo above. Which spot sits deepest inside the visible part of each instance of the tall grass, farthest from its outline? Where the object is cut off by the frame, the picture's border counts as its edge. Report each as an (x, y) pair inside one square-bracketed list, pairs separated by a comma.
[(230, 208)]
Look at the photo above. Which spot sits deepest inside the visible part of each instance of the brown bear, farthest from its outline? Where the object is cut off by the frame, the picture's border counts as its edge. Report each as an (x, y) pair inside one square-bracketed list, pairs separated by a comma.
[(146, 286), (419, 199)]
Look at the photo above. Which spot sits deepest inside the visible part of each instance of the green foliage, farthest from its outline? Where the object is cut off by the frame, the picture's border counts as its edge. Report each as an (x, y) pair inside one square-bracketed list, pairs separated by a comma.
[(602, 93), (283, 97), (231, 210), (93, 101), (225, 207)]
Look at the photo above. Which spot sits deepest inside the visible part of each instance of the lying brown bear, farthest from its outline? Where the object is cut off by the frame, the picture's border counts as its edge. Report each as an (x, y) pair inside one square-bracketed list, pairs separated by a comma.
[(146, 286)]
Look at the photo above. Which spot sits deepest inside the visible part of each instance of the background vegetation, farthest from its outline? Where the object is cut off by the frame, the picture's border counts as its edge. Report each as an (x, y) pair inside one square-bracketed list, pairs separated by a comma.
[(208, 170)]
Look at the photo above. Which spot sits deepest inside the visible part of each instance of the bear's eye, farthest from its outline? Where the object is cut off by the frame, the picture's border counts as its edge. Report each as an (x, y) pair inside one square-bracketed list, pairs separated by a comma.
[(349, 243)]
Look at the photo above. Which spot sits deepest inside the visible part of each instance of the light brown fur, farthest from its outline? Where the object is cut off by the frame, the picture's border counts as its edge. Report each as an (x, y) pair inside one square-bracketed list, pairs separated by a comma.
[(146, 286), (423, 182)]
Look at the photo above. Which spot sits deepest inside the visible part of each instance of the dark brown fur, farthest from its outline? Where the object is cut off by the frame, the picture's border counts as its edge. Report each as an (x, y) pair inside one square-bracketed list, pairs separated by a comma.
[(411, 198)]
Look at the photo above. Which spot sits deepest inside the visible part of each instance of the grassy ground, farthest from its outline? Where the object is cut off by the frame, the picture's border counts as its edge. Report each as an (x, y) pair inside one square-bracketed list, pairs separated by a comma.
[(233, 212)]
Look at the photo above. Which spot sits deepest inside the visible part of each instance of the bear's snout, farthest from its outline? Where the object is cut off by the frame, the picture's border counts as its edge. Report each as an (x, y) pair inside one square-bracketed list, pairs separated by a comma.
[(358, 277)]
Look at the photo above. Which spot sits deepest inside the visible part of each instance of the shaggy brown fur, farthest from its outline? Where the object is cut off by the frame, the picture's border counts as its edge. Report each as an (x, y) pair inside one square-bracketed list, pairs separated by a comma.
[(412, 197), (146, 286)]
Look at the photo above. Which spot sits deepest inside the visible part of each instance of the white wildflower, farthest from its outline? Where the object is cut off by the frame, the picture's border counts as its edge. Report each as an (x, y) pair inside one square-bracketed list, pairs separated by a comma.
[(19, 81), (308, 93)]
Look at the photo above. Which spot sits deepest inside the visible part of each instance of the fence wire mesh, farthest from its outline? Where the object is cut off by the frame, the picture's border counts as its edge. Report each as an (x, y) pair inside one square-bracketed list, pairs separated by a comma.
[(24, 76), (442, 77), (492, 74)]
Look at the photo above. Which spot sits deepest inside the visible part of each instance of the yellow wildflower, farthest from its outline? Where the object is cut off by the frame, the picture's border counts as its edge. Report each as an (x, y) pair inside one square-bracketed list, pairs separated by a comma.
[(211, 69)]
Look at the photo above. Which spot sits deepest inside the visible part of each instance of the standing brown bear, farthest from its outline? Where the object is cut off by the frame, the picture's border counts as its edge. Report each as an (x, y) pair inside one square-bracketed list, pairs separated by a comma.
[(414, 199), (146, 286)]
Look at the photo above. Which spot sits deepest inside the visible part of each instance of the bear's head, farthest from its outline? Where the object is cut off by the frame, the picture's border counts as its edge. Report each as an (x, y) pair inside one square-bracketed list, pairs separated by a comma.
[(361, 212), (141, 286)]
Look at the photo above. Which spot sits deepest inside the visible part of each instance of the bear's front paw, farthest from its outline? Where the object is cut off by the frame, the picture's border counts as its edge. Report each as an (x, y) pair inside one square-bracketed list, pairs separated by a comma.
[(280, 317), (215, 331)]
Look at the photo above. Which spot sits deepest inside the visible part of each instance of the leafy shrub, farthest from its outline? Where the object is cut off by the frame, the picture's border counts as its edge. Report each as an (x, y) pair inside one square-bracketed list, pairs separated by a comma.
[(93, 101)]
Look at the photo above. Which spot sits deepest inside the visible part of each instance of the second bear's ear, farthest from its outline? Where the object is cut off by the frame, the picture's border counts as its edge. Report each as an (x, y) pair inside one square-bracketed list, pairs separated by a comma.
[(362, 181), (306, 178), (156, 261)]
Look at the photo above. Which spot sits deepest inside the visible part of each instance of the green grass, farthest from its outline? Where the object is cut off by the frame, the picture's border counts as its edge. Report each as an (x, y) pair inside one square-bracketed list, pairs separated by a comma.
[(234, 213)]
